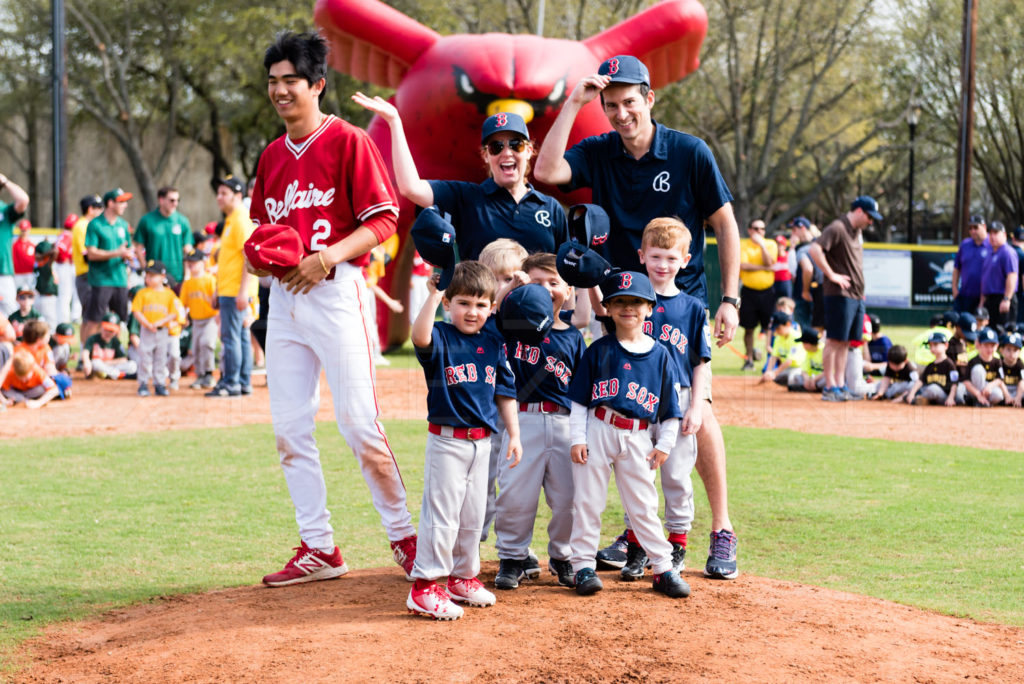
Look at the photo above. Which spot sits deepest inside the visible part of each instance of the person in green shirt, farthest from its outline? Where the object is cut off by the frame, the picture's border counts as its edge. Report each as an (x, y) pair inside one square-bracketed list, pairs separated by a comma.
[(108, 244), (9, 215), (165, 235)]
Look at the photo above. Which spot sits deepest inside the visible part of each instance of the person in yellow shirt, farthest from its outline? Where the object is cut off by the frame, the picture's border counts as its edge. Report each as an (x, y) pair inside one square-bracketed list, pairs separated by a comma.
[(198, 293), (757, 294), (155, 307), (236, 288), (91, 206)]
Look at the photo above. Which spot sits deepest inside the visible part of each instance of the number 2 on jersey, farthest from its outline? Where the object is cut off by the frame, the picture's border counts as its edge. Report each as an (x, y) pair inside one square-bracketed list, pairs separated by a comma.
[(321, 229)]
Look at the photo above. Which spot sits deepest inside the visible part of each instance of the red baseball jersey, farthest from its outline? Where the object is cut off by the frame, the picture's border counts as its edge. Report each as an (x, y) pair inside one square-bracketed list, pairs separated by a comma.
[(324, 185)]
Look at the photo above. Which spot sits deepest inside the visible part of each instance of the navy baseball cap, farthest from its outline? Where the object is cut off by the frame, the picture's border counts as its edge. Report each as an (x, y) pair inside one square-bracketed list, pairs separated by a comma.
[(196, 255), (503, 121), (799, 222), (588, 224), (868, 205), (628, 284), (809, 336), (526, 314), (988, 335), (950, 318), (780, 318), (1013, 339), (90, 202), (969, 324), (625, 69), (1018, 233), (981, 312), (234, 184), (580, 266), (434, 237), (938, 336), (156, 267)]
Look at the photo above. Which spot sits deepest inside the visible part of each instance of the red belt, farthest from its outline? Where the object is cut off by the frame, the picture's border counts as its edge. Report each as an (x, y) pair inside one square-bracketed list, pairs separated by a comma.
[(458, 432), (618, 421), (542, 407)]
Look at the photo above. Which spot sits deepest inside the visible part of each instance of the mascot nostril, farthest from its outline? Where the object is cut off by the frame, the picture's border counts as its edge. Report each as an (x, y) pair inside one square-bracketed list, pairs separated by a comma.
[(435, 76)]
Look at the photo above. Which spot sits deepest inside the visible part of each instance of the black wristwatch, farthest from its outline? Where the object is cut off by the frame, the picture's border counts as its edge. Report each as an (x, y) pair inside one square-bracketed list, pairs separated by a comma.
[(735, 301)]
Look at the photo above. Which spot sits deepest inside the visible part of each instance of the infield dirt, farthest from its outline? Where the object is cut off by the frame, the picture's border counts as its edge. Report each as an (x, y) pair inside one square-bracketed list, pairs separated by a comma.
[(356, 628)]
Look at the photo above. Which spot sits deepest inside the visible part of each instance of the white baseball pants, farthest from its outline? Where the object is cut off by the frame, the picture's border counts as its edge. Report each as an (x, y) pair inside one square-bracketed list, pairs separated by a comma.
[(626, 452), (454, 481), (676, 482), (545, 463), (324, 329), (154, 352), (204, 345)]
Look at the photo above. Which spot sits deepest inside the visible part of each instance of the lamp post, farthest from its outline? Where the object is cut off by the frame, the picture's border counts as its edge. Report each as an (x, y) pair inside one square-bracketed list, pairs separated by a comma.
[(913, 116)]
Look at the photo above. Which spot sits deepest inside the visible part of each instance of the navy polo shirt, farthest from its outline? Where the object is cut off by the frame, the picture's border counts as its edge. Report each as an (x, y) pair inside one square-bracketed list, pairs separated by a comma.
[(677, 177), (484, 212)]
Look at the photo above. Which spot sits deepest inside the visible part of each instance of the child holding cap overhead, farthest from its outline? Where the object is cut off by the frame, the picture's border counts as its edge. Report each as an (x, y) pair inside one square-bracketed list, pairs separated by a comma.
[(154, 307), (624, 417), (468, 383)]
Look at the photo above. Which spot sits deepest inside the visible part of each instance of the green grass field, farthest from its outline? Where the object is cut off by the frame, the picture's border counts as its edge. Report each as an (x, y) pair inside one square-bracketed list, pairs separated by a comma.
[(87, 524)]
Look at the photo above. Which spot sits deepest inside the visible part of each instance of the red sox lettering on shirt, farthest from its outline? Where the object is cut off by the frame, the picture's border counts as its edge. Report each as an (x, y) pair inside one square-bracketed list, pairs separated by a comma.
[(466, 372), (324, 185), (532, 355)]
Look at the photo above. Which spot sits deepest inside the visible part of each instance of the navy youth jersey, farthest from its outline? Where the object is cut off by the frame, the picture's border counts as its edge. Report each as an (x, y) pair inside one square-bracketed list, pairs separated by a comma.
[(464, 374), (636, 385), (484, 212), (543, 373), (942, 373), (677, 177), (680, 324)]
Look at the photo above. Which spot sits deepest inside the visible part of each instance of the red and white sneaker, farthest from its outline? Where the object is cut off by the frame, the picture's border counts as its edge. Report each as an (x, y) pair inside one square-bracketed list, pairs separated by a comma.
[(404, 552), (429, 598), (470, 591), (308, 565)]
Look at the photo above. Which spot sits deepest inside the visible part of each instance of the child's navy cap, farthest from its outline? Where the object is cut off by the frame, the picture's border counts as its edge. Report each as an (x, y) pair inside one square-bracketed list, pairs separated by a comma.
[(1013, 339), (580, 266), (780, 318), (950, 318), (981, 312), (526, 314), (156, 267), (503, 121), (434, 237), (196, 255), (969, 324), (628, 284), (937, 337), (809, 336), (987, 334), (588, 224), (625, 69)]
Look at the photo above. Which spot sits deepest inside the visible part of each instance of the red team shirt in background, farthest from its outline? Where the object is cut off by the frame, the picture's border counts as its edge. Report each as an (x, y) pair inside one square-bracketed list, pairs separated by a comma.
[(298, 181)]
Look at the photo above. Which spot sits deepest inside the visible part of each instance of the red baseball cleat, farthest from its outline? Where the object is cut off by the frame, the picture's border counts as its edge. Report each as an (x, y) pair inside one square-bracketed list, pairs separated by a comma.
[(404, 552), (308, 565)]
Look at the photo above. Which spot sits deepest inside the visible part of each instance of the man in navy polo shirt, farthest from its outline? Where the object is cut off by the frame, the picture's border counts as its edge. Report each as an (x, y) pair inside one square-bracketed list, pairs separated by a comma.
[(639, 171)]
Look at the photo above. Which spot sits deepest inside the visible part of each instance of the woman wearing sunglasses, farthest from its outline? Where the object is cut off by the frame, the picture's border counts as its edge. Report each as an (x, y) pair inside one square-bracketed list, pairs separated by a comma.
[(503, 206)]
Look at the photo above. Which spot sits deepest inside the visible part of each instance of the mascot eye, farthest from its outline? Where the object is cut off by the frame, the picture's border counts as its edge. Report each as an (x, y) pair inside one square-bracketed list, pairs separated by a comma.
[(463, 83), (558, 91)]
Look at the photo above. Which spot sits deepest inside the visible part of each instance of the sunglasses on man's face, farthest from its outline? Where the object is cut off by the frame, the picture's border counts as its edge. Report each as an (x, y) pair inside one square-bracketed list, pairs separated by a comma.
[(496, 146)]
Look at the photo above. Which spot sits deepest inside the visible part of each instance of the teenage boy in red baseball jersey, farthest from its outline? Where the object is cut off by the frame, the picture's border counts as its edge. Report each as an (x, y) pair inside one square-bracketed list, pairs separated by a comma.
[(326, 179)]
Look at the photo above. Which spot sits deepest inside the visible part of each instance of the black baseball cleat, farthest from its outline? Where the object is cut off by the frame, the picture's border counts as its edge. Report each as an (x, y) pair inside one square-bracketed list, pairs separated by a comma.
[(636, 561), (613, 557), (587, 582), (510, 572), (531, 565), (671, 584), (678, 557), (563, 570)]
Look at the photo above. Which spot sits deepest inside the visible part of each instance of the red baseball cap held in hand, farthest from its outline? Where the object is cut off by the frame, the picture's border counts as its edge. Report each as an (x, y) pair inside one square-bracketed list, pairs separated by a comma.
[(274, 248)]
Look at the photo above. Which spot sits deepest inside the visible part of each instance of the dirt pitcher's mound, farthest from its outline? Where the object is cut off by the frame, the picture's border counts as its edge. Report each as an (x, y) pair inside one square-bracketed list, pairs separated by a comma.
[(356, 629)]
